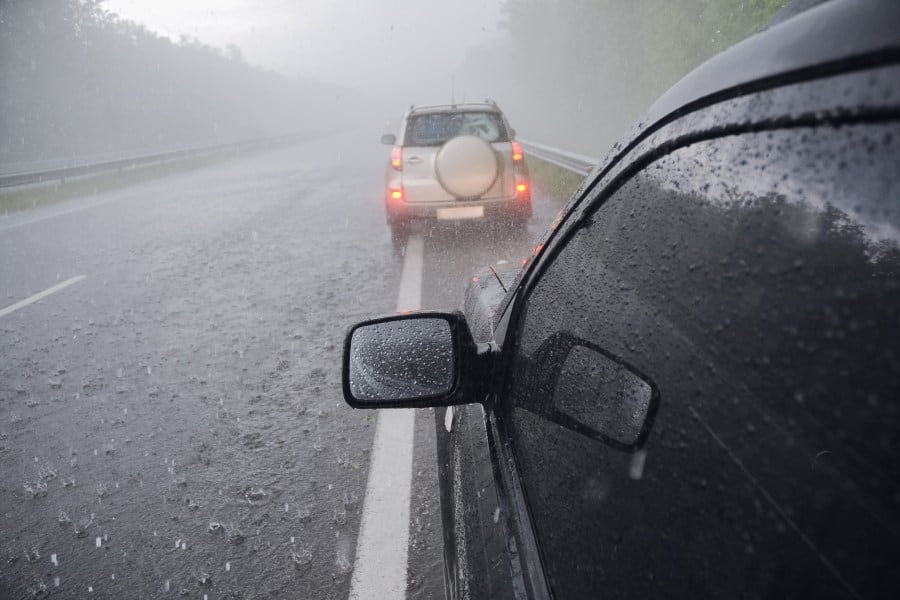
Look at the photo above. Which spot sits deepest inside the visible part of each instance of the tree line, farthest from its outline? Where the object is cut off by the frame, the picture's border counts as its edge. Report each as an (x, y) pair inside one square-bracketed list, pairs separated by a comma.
[(578, 73), (79, 82)]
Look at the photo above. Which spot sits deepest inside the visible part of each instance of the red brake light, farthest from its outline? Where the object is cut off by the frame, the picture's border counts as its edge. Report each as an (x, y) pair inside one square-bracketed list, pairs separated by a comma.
[(396, 194), (521, 187), (517, 151), (397, 158)]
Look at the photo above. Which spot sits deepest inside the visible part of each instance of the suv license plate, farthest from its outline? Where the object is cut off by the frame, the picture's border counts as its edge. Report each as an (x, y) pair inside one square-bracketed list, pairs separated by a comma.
[(461, 212)]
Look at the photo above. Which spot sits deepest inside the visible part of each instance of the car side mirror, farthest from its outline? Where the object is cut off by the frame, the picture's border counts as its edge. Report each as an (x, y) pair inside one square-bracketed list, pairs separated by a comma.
[(414, 360), (389, 139), (512, 133), (593, 392)]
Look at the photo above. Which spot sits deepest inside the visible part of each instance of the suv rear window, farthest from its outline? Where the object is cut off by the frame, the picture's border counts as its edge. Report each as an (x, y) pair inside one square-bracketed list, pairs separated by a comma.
[(436, 128)]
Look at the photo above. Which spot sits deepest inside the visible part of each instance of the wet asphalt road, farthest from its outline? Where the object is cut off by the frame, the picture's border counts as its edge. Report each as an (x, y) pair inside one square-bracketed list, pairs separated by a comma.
[(171, 425)]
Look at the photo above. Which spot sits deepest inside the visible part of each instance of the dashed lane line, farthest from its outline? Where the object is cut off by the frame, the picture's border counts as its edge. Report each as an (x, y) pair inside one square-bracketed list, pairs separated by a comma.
[(40, 295), (383, 545)]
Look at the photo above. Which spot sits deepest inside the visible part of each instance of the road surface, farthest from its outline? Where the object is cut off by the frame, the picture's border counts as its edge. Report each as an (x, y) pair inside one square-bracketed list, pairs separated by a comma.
[(171, 421)]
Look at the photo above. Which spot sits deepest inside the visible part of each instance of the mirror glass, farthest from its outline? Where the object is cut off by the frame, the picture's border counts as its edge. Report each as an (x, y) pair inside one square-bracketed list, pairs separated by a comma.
[(402, 360), (389, 139), (603, 395)]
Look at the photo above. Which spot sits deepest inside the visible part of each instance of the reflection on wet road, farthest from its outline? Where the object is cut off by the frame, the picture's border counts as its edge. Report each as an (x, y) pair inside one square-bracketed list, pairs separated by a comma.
[(172, 423)]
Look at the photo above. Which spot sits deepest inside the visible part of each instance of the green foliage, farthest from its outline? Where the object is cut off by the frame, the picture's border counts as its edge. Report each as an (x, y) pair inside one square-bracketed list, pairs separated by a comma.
[(676, 37), (554, 181), (587, 69)]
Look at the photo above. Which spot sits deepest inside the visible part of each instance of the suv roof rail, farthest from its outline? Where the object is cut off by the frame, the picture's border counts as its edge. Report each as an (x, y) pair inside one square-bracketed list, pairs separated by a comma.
[(463, 105), (490, 101)]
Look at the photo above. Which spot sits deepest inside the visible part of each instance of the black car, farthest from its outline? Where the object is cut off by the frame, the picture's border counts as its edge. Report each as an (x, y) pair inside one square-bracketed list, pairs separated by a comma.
[(693, 387)]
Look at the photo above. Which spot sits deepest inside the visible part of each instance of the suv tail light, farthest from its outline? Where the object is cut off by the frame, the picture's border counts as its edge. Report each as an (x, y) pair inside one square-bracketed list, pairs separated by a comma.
[(397, 158), (396, 193), (517, 152)]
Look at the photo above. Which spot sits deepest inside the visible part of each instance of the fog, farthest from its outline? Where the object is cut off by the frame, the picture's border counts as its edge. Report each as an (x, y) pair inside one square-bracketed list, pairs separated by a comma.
[(93, 78), (403, 50)]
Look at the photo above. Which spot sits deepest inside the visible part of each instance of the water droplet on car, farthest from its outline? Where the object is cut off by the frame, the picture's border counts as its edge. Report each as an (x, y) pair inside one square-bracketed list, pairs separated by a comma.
[(301, 557)]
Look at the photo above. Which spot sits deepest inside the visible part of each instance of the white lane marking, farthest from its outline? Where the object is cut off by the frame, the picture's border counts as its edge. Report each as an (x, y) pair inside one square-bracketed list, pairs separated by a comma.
[(383, 545), (410, 295), (40, 295)]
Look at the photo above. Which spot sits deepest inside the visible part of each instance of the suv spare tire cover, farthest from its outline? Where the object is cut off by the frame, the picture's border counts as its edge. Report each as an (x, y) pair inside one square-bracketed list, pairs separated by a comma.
[(466, 166)]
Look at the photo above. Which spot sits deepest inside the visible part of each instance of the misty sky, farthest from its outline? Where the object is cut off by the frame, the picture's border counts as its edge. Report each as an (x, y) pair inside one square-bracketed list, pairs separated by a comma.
[(410, 44)]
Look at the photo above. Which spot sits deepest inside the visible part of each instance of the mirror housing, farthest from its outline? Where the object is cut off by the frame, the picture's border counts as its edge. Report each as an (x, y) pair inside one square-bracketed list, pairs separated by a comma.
[(389, 139), (414, 360)]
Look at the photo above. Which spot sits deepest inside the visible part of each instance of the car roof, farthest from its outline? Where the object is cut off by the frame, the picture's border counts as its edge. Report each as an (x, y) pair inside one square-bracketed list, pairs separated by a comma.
[(466, 107)]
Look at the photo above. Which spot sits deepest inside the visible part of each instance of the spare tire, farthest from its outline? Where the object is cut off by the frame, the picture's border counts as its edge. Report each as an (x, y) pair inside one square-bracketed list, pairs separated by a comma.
[(467, 166)]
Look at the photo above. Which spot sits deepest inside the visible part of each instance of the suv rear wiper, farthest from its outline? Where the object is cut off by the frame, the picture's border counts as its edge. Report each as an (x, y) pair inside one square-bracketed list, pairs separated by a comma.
[(491, 267)]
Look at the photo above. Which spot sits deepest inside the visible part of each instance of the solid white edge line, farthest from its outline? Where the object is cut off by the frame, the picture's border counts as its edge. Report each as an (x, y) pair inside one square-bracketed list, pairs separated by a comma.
[(410, 294), (40, 295), (382, 548)]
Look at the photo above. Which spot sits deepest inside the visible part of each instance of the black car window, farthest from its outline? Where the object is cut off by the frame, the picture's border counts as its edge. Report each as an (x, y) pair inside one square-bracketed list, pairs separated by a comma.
[(436, 128), (754, 282)]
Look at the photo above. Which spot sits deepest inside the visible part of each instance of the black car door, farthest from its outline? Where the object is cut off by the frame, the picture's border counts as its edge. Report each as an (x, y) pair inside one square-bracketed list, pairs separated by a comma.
[(702, 384)]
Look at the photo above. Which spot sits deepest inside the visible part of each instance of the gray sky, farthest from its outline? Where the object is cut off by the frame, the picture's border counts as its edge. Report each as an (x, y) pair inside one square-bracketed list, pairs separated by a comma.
[(410, 46)]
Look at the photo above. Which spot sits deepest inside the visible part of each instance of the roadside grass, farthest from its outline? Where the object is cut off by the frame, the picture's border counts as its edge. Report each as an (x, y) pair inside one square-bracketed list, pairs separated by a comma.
[(41, 194), (554, 180)]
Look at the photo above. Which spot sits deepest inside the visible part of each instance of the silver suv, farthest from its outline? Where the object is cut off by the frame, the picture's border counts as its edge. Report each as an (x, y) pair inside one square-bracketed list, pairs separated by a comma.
[(456, 161)]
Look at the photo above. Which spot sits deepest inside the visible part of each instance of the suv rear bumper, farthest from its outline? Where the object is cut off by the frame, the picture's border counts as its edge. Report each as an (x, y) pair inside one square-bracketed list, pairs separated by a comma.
[(517, 207)]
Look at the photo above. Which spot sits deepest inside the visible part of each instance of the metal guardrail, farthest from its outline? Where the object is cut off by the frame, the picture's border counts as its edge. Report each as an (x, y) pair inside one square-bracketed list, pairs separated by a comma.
[(570, 161), (576, 163), (33, 177)]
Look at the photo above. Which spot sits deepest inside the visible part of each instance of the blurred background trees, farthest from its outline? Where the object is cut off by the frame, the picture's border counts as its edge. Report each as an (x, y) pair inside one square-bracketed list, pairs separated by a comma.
[(578, 73), (80, 83)]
